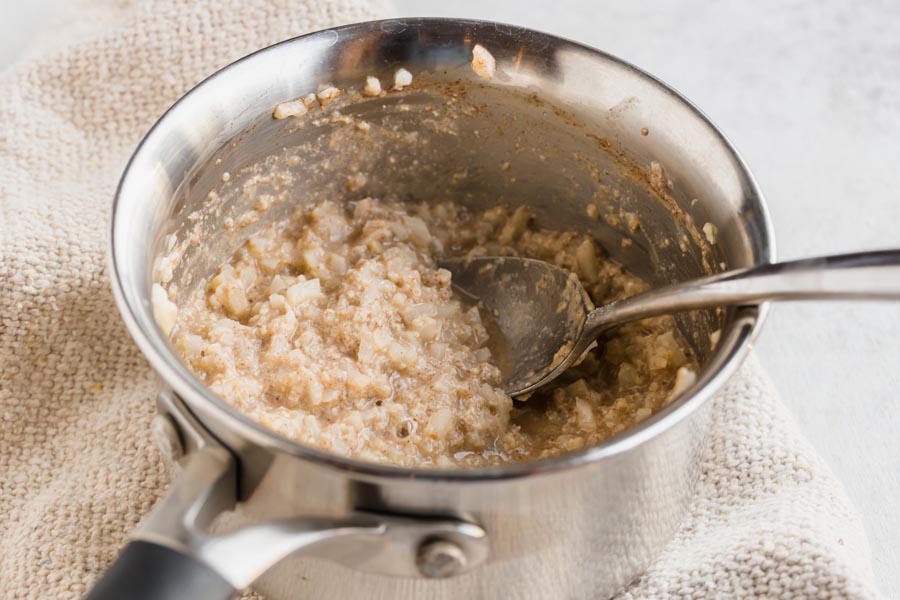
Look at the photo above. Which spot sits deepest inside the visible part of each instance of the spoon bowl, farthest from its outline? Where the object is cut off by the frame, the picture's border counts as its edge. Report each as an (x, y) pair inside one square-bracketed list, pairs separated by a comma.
[(534, 313)]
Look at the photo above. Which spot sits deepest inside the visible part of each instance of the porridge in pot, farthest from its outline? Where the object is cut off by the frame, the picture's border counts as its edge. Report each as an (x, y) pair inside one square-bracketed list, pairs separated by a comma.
[(336, 329)]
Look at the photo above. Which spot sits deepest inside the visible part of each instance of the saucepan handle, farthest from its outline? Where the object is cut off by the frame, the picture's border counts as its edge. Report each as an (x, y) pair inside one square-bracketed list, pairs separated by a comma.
[(165, 558), (149, 571), (174, 556)]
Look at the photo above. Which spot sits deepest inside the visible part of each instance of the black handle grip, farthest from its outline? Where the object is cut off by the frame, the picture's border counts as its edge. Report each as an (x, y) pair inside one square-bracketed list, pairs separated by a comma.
[(145, 571)]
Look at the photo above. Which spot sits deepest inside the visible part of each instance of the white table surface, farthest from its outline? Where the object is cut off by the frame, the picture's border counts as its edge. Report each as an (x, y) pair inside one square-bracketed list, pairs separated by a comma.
[(809, 92)]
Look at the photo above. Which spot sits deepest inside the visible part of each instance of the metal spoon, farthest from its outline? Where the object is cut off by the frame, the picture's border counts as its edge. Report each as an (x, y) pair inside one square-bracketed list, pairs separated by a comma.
[(546, 321)]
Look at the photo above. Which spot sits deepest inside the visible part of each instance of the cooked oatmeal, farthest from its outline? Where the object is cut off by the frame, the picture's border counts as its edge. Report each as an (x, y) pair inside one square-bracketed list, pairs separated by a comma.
[(336, 329)]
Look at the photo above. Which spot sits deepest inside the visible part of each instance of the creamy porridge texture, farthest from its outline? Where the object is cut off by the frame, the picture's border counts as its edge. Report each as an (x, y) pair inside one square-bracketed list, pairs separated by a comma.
[(335, 328)]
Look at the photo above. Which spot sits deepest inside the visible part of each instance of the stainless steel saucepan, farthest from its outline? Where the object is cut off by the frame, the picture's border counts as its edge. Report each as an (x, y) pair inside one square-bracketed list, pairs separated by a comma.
[(558, 127)]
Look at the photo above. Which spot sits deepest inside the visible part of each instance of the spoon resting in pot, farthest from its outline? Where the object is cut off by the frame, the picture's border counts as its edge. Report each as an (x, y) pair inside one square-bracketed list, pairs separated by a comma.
[(544, 321)]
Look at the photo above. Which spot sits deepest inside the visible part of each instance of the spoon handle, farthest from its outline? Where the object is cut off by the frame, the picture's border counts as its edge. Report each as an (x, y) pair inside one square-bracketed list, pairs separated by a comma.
[(859, 276)]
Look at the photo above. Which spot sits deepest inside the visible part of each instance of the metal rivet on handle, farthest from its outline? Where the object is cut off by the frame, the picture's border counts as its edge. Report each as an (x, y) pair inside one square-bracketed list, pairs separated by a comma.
[(440, 558)]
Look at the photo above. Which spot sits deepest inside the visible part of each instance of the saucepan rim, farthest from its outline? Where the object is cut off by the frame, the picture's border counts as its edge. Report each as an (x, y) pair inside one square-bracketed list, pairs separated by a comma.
[(734, 346)]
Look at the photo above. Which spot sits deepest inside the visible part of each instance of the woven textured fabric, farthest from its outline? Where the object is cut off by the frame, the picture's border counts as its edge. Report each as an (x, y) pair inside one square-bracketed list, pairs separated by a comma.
[(769, 520), (77, 465)]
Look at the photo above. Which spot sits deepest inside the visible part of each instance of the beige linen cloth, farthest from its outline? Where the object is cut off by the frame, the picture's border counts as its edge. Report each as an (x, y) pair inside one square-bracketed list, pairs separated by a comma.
[(77, 465)]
